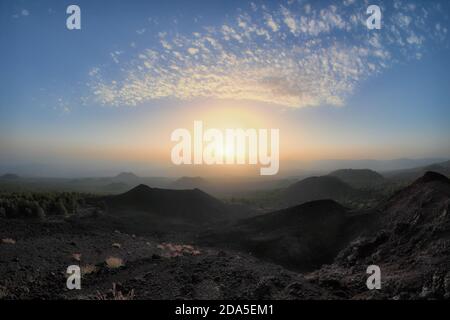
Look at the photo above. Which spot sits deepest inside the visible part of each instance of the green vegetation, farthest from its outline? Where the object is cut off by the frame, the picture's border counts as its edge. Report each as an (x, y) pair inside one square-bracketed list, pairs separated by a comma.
[(40, 205)]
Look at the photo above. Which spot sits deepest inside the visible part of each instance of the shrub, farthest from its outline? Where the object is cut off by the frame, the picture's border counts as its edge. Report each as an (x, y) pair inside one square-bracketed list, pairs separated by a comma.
[(40, 213), (60, 208)]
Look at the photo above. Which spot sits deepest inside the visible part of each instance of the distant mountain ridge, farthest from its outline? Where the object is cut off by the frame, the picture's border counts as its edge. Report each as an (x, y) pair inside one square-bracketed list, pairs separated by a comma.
[(409, 175), (373, 164)]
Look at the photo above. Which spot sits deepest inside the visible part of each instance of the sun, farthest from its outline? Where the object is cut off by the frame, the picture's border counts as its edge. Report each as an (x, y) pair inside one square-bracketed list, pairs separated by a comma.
[(224, 151), (228, 151)]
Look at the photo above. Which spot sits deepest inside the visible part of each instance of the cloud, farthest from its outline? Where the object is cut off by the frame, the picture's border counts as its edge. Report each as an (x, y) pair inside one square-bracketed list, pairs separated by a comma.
[(22, 13), (290, 57), (414, 39), (289, 20), (115, 56), (192, 51), (271, 23), (348, 2)]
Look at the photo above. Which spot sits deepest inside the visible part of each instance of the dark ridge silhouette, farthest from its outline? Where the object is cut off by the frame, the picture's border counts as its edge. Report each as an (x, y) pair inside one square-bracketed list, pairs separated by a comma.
[(302, 237), (431, 176), (359, 178), (191, 206), (316, 188)]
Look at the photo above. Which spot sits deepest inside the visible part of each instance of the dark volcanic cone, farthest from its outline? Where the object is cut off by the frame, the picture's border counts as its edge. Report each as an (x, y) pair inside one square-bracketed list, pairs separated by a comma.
[(302, 237), (317, 188), (194, 206), (359, 178)]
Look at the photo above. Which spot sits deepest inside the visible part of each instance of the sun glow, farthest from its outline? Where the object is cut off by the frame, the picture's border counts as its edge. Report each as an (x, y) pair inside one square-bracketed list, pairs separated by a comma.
[(231, 146), (225, 151)]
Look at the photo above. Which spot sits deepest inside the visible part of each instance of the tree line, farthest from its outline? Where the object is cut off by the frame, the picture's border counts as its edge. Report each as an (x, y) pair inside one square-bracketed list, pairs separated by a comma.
[(40, 205)]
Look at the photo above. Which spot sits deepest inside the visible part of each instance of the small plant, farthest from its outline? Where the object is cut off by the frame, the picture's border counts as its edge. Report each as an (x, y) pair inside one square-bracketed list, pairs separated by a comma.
[(8, 241), (115, 294), (3, 292), (114, 262), (76, 256), (88, 269), (170, 250), (116, 245)]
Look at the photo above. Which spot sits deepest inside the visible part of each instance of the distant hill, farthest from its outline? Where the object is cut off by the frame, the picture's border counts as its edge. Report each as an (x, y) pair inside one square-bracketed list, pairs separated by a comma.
[(10, 176), (301, 237), (184, 206), (359, 178), (316, 188), (126, 177), (190, 183)]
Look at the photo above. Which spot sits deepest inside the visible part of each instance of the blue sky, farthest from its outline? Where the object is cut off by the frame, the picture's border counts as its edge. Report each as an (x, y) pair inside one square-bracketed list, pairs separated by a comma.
[(311, 67)]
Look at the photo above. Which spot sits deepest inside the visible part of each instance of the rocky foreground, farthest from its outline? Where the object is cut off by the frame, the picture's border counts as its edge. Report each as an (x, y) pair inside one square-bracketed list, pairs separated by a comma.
[(34, 259), (411, 246)]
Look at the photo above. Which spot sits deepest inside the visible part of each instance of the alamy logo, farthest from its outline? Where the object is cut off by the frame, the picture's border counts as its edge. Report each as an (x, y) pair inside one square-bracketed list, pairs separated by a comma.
[(233, 146), (374, 280), (374, 21), (74, 278), (73, 22)]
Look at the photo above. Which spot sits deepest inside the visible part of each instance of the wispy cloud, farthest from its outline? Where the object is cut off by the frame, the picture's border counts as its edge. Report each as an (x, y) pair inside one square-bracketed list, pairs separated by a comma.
[(297, 55)]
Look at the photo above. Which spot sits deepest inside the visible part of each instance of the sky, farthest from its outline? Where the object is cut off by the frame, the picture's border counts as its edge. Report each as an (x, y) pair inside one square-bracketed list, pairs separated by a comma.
[(107, 97)]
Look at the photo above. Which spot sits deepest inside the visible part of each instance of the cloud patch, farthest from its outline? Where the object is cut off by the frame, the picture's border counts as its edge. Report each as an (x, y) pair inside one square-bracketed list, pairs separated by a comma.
[(292, 56)]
